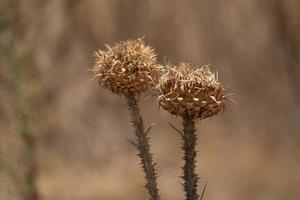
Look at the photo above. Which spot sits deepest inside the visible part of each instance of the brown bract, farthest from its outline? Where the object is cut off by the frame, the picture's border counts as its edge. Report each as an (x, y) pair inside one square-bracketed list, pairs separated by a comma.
[(128, 66), (190, 93)]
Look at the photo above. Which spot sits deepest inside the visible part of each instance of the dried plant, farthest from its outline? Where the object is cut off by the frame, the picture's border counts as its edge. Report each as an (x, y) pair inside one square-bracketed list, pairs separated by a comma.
[(128, 66), (190, 94), (127, 69)]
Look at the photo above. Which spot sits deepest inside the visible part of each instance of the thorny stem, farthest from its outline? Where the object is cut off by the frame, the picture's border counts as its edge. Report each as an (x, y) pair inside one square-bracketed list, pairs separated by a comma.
[(190, 176), (143, 147)]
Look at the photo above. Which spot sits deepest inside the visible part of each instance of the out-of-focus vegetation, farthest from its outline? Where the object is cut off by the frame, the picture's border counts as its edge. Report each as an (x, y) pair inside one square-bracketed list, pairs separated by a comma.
[(251, 152), (25, 182)]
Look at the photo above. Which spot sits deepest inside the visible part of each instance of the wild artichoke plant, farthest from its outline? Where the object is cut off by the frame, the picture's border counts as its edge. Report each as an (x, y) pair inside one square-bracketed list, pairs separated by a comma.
[(127, 69), (191, 95)]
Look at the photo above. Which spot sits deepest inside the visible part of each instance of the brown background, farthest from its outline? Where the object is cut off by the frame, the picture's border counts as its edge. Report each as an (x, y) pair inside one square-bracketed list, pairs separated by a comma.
[(251, 151)]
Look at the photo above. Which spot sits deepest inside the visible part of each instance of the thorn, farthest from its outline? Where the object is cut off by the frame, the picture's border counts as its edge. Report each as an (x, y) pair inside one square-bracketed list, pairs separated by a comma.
[(233, 101), (176, 129), (149, 97), (227, 95), (203, 191), (133, 143), (149, 128)]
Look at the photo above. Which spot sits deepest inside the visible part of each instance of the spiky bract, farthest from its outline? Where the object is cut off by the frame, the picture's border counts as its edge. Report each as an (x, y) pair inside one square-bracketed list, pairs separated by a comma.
[(128, 66), (195, 94)]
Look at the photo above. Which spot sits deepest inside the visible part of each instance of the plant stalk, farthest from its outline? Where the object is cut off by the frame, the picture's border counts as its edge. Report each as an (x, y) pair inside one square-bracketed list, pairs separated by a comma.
[(143, 146), (29, 190), (190, 176), (31, 173)]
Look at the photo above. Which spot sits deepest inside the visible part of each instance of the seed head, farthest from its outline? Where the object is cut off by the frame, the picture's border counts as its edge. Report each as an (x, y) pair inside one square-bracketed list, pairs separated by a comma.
[(128, 66), (190, 93)]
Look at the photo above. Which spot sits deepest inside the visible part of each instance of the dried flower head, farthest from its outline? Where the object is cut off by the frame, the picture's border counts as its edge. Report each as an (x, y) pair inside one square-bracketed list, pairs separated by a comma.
[(128, 66), (190, 93)]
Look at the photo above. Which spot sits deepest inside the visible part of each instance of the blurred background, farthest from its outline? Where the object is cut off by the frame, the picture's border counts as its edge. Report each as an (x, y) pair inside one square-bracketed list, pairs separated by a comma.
[(251, 151)]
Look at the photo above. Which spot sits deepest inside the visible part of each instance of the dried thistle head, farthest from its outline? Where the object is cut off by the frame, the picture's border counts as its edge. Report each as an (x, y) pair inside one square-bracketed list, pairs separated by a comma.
[(128, 66), (190, 93)]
